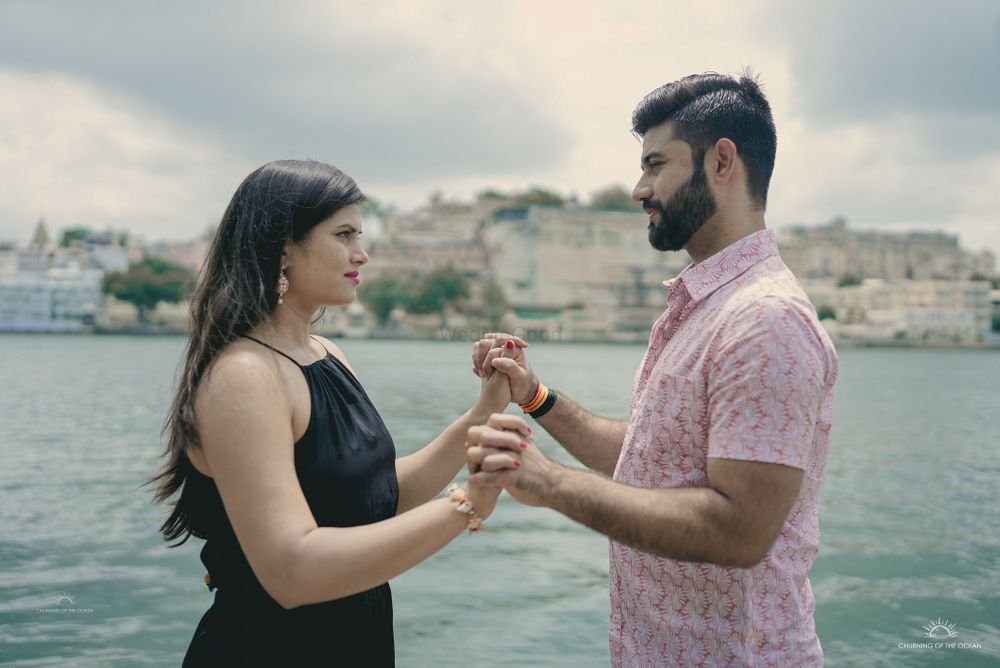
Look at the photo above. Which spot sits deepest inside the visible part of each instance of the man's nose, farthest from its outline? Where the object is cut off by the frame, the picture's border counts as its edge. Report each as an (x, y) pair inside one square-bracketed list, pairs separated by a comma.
[(643, 190)]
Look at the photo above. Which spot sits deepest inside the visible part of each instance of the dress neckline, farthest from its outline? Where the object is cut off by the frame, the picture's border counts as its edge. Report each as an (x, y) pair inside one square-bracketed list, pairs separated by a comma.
[(289, 357)]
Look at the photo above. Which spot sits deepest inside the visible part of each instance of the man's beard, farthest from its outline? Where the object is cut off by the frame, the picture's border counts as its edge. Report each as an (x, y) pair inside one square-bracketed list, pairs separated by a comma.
[(683, 214)]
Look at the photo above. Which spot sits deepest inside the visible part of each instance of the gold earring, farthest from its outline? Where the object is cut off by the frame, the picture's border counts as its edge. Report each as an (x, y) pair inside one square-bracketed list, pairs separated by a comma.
[(282, 285)]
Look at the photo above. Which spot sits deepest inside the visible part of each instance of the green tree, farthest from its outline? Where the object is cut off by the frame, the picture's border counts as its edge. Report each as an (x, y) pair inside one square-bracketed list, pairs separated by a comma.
[(994, 282), (848, 280), (538, 197), (437, 289), (826, 313), (71, 234), (613, 198), (148, 283), (383, 295), (371, 207), (490, 193), (495, 302), (430, 295)]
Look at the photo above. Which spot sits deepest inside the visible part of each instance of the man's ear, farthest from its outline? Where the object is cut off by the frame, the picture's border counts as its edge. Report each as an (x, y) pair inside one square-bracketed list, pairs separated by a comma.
[(721, 160)]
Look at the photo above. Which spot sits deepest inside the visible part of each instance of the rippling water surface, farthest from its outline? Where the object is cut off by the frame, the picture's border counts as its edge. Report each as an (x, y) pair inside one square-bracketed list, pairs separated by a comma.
[(910, 518)]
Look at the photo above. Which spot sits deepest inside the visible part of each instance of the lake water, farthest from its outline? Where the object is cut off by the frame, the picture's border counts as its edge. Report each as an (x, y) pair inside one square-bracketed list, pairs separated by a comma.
[(910, 518)]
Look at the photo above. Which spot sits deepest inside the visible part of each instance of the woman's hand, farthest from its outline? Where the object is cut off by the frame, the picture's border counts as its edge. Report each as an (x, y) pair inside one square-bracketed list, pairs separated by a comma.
[(492, 353), (484, 496), (494, 395), (502, 453)]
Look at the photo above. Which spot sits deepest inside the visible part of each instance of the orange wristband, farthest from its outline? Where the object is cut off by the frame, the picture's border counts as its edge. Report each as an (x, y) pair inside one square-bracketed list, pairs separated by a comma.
[(541, 394)]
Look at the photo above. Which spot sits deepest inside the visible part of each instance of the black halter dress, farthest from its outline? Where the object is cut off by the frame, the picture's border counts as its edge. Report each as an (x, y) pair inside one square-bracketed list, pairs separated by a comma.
[(346, 464)]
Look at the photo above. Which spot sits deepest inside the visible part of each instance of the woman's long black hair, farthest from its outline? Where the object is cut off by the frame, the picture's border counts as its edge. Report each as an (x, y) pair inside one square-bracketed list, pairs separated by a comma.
[(236, 290)]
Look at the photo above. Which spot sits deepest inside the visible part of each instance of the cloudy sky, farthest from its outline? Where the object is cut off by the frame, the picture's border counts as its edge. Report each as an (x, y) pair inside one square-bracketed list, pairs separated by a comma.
[(145, 116)]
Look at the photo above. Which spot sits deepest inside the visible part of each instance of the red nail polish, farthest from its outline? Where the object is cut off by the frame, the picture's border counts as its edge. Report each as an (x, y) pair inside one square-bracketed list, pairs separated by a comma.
[(517, 464), (523, 445), (509, 344), (529, 430)]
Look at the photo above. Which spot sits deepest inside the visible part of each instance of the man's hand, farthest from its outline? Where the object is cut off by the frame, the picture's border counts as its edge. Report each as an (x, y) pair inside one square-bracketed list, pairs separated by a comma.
[(505, 352), (502, 453)]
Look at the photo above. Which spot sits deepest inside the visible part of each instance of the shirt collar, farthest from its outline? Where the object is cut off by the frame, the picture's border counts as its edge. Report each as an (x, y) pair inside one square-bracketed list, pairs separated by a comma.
[(704, 278)]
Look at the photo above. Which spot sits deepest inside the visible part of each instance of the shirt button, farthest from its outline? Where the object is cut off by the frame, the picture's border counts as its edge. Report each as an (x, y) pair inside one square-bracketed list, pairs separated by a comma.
[(616, 618)]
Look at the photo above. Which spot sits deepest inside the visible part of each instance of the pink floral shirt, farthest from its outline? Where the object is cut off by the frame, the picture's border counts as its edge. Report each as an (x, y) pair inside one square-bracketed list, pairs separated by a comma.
[(738, 367)]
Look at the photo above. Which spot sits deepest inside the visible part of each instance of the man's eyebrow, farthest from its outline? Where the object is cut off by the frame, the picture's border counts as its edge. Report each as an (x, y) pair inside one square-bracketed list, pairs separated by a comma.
[(652, 155)]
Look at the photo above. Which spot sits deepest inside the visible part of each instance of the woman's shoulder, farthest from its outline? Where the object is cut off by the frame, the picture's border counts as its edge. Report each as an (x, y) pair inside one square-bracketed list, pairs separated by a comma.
[(241, 389), (335, 350), (240, 367)]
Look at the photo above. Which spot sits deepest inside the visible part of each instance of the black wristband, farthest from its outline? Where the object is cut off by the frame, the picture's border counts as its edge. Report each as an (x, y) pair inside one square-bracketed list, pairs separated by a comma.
[(546, 406)]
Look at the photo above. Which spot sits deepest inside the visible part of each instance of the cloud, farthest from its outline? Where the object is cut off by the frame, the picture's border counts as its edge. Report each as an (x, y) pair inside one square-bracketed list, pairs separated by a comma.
[(147, 115), (351, 86), (875, 175), (889, 115), (881, 62), (79, 158)]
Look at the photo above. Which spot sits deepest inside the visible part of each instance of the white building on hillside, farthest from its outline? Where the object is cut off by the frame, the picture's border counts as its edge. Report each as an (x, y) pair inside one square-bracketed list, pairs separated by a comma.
[(590, 273), (833, 251), (55, 300), (907, 312)]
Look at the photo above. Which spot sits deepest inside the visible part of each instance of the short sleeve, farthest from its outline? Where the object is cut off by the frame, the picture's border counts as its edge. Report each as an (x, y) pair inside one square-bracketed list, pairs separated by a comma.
[(766, 385)]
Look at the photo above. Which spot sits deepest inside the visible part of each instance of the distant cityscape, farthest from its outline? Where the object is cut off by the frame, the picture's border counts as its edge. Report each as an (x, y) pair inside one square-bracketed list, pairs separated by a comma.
[(548, 270)]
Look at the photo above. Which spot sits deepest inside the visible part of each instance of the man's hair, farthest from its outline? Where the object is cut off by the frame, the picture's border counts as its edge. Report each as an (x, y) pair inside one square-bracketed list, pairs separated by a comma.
[(704, 108)]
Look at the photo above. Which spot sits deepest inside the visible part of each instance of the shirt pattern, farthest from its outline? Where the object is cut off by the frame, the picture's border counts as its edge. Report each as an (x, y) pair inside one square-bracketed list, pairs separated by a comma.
[(738, 367)]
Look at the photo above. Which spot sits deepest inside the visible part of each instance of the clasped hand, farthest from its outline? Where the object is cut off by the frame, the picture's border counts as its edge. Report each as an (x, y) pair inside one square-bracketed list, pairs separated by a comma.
[(502, 453)]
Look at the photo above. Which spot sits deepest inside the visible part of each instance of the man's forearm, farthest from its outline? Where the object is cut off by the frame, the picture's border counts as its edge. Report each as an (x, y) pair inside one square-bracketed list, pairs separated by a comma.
[(595, 441), (687, 524)]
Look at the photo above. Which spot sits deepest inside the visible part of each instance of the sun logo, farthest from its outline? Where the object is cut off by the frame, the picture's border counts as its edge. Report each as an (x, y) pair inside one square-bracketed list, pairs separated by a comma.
[(64, 599), (940, 629)]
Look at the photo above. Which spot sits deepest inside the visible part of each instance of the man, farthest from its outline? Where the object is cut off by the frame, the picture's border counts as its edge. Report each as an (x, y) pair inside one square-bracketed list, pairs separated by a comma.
[(712, 500)]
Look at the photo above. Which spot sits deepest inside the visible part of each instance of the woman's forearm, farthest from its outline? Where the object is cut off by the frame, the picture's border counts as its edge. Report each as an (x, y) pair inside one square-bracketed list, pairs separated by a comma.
[(425, 473), (331, 563)]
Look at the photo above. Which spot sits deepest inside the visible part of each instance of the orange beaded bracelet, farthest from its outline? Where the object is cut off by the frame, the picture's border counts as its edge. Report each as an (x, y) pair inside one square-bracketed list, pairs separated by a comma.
[(457, 494)]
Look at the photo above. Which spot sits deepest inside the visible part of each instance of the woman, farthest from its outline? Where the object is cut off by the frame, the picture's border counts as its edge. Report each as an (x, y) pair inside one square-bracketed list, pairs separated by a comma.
[(282, 463)]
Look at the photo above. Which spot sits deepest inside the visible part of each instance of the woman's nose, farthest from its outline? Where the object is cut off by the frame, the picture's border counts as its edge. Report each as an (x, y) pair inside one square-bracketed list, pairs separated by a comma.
[(360, 255)]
